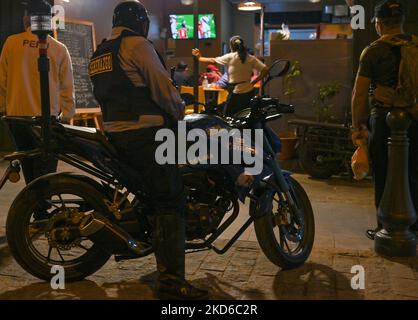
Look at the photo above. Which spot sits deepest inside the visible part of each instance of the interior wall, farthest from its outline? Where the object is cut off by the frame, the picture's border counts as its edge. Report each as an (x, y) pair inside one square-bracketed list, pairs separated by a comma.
[(244, 25), (89, 10), (321, 62), (226, 21), (101, 12)]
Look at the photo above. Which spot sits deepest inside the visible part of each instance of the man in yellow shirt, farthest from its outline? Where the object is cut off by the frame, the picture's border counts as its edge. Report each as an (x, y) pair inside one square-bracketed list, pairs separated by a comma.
[(20, 88)]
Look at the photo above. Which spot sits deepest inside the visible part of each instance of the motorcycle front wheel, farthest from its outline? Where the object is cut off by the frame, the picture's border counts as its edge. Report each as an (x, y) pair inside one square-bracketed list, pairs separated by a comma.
[(41, 228), (286, 237)]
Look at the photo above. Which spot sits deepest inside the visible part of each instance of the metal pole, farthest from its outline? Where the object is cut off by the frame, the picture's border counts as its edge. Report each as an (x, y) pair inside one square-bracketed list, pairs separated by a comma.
[(43, 67), (196, 61), (396, 210), (262, 31)]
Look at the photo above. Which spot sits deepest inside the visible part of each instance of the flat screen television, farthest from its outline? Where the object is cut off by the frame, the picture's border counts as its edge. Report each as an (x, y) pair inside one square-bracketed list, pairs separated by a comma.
[(182, 26)]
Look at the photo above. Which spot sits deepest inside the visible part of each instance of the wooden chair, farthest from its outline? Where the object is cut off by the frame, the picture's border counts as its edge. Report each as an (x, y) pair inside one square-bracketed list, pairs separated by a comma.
[(201, 99), (85, 117)]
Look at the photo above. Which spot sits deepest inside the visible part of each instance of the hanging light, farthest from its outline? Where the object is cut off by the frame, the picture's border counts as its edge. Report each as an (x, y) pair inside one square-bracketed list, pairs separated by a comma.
[(187, 2), (250, 6)]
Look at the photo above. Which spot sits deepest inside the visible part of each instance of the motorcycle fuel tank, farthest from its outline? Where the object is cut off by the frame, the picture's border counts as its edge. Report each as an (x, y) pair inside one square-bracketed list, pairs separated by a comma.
[(199, 126)]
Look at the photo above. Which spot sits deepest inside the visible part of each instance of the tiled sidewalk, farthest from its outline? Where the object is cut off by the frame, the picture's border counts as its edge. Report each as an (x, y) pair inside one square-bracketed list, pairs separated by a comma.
[(242, 273), (343, 211)]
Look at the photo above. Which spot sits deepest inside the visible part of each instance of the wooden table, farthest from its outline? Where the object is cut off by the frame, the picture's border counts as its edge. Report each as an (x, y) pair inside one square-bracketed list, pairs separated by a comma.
[(216, 96), (205, 96)]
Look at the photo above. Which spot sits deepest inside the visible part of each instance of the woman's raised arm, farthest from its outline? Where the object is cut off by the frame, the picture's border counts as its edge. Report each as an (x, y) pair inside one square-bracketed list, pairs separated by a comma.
[(197, 54)]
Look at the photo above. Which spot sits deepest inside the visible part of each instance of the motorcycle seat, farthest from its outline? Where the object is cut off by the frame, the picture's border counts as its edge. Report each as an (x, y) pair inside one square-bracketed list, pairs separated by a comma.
[(90, 134), (93, 151)]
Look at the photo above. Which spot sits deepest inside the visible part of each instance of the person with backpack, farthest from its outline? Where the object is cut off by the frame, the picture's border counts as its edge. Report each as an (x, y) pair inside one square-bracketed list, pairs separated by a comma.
[(387, 78)]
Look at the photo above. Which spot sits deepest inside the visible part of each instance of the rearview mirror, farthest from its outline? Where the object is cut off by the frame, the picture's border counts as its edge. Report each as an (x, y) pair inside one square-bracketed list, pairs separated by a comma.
[(279, 68)]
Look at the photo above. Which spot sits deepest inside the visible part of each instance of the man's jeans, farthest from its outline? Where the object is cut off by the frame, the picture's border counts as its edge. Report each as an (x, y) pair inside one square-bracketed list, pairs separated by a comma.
[(163, 183)]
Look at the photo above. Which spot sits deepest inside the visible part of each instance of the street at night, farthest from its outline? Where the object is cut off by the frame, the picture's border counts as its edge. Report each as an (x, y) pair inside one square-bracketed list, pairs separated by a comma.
[(244, 272), (209, 159)]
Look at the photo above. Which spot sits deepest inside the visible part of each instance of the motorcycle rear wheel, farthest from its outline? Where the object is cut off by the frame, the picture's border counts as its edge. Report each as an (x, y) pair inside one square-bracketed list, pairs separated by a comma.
[(22, 233), (272, 239)]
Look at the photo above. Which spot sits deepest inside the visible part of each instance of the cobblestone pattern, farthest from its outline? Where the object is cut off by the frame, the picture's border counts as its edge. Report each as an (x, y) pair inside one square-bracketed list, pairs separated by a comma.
[(242, 273)]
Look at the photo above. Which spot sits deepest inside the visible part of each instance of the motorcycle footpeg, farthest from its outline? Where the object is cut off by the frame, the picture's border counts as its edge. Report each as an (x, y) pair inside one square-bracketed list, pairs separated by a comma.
[(12, 174), (145, 252), (112, 238)]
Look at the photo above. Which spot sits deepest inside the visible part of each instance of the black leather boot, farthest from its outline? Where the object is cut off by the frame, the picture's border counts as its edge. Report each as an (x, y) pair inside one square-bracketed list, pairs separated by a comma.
[(169, 248), (371, 234)]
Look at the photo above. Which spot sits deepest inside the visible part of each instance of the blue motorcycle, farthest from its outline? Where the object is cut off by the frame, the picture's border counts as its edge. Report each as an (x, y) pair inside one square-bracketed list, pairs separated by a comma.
[(79, 220)]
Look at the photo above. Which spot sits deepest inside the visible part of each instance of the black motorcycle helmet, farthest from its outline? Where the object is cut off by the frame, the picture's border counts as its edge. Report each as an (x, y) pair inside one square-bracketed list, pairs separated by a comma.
[(132, 15)]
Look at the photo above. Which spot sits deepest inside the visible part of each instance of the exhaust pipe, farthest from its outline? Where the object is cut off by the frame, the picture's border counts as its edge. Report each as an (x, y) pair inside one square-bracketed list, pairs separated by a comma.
[(112, 238)]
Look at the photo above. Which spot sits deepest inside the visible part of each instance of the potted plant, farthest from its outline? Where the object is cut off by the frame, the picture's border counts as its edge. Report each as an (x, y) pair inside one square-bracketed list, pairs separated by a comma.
[(322, 105), (288, 85)]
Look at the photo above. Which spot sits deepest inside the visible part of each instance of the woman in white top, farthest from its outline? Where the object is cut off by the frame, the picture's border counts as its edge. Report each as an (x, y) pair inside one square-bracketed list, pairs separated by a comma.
[(240, 68)]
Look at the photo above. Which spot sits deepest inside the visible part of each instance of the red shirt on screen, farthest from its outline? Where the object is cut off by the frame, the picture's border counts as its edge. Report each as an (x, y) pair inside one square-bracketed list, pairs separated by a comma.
[(183, 33)]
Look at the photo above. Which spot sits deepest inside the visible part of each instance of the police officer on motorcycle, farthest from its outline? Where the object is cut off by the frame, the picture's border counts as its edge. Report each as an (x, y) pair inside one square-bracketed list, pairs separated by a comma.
[(137, 99)]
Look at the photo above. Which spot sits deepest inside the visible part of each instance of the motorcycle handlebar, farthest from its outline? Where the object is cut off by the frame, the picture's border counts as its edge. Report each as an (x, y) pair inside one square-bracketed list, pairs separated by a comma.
[(271, 104), (264, 109), (285, 108), (28, 120)]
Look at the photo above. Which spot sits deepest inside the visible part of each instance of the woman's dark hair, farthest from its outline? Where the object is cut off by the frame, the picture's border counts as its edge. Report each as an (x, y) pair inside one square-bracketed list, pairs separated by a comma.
[(237, 45)]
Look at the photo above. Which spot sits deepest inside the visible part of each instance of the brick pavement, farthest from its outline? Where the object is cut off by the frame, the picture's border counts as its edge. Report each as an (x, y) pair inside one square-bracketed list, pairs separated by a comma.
[(243, 273), (343, 210)]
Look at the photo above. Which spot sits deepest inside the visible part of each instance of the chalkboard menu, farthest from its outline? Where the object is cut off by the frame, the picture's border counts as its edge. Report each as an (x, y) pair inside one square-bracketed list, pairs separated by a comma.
[(79, 37)]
